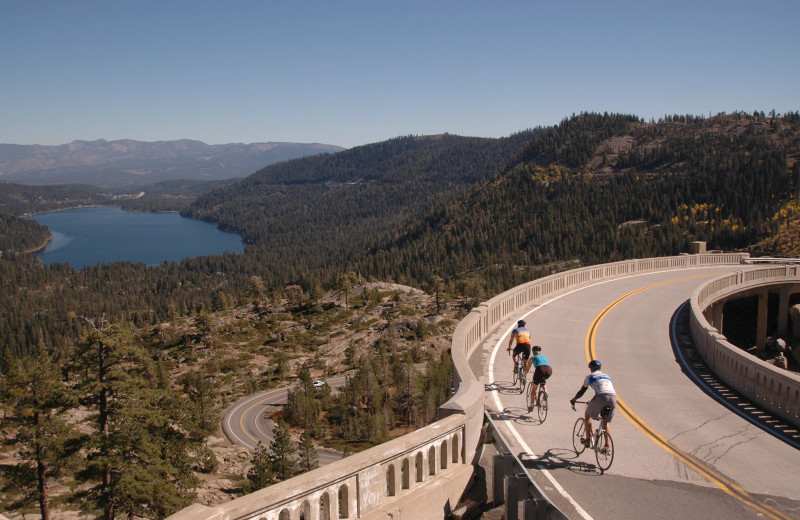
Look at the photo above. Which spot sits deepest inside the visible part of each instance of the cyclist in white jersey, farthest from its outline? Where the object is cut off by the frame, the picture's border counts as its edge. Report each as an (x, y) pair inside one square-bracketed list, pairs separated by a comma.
[(604, 401)]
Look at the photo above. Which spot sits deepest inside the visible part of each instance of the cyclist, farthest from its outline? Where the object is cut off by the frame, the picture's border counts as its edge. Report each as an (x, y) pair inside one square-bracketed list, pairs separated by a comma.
[(604, 401), (541, 371), (523, 338)]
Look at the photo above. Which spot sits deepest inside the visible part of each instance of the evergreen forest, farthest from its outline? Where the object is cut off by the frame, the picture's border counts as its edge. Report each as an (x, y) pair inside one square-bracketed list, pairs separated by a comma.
[(112, 377)]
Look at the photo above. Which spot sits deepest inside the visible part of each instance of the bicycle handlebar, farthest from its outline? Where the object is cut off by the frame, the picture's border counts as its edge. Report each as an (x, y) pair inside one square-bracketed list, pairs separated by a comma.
[(576, 401)]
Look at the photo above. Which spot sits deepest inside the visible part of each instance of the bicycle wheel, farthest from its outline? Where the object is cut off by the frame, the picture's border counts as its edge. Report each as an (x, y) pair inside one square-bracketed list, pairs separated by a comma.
[(604, 451), (521, 380), (515, 375), (542, 408), (528, 394), (577, 435)]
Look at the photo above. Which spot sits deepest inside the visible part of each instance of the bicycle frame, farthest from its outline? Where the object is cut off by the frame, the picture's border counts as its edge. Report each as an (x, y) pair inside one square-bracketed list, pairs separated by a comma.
[(519, 370), (600, 440)]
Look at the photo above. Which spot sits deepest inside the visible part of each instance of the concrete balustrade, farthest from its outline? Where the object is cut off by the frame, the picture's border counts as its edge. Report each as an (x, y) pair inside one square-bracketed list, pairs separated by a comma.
[(361, 485), (773, 389), (422, 475)]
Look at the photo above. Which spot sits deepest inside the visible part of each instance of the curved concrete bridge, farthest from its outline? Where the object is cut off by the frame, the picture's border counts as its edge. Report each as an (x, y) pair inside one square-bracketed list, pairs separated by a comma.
[(679, 452)]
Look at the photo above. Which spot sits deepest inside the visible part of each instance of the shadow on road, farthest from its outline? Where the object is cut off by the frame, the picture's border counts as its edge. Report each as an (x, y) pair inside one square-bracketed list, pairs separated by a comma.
[(560, 458)]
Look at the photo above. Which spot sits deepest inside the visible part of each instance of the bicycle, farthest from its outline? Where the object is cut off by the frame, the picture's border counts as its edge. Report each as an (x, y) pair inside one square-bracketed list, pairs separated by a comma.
[(541, 400), (599, 440), (519, 372)]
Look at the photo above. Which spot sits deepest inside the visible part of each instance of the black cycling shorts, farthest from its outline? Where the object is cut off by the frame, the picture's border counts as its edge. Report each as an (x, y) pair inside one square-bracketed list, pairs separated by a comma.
[(524, 349), (541, 374)]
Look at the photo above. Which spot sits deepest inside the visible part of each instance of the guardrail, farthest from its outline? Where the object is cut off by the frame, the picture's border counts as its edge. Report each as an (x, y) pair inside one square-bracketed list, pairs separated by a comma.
[(773, 389), (513, 484), (422, 474), (772, 260)]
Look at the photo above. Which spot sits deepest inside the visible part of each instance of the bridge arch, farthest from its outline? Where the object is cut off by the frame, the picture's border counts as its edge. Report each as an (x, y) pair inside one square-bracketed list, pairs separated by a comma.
[(391, 489), (418, 467), (344, 502)]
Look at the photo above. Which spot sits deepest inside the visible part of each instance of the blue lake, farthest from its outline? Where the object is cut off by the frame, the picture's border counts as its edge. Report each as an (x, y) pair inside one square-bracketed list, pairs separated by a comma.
[(88, 236)]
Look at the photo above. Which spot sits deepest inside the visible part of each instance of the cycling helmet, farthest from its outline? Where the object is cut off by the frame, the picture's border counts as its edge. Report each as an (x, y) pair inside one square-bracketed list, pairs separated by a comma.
[(595, 364), (537, 348), (521, 323)]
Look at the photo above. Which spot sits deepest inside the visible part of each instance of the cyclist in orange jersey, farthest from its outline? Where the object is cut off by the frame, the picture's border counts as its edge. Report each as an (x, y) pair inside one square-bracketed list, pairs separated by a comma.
[(523, 338)]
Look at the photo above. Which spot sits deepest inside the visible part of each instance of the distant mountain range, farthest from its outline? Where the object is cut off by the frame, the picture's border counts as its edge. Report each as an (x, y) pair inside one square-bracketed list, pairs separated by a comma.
[(129, 163)]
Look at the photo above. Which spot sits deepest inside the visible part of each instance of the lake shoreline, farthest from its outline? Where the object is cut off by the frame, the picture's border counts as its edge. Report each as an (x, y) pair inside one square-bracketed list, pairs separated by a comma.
[(83, 206), (100, 234), (39, 248)]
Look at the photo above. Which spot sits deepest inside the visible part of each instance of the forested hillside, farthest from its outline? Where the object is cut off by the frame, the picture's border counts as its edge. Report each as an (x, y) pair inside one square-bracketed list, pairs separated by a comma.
[(600, 188), (25, 200), (311, 214)]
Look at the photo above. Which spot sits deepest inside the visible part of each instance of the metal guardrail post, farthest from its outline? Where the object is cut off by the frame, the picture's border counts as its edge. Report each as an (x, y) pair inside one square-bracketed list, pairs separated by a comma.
[(503, 466), (514, 492), (498, 480), (535, 509)]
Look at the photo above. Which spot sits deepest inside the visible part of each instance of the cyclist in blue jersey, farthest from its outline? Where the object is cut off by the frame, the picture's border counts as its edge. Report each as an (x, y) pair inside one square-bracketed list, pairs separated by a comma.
[(604, 401), (523, 348), (541, 371)]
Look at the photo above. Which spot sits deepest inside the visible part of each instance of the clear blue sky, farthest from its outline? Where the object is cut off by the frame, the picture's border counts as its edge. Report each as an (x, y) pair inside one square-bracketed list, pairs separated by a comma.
[(356, 72)]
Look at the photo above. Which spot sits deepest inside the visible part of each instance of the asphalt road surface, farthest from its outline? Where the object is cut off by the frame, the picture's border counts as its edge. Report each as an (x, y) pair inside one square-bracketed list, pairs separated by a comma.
[(679, 453), (247, 422)]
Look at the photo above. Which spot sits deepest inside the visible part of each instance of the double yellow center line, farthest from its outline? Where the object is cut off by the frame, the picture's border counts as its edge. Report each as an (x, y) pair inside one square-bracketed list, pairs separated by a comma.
[(720, 480)]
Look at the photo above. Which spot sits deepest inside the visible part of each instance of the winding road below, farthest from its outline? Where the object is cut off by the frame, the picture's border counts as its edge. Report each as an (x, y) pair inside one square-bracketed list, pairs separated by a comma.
[(247, 422), (679, 452)]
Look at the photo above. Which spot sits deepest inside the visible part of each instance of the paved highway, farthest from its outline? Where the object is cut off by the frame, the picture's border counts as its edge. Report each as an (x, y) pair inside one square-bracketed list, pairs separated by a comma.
[(679, 453), (247, 422)]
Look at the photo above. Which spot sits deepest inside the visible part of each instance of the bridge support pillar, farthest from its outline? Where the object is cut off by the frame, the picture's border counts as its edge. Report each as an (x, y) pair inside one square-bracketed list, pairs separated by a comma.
[(783, 311), (761, 326), (717, 316)]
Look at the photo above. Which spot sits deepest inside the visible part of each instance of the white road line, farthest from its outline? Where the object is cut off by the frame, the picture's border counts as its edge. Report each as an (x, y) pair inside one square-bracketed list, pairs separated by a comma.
[(499, 406)]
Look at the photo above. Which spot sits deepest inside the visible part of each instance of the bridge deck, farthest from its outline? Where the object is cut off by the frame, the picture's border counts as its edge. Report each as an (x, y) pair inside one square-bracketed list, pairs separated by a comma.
[(679, 452)]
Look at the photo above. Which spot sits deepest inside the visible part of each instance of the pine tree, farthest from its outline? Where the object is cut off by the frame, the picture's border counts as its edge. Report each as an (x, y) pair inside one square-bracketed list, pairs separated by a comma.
[(308, 453), (138, 458), (260, 474), (46, 442), (202, 394), (282, 452)]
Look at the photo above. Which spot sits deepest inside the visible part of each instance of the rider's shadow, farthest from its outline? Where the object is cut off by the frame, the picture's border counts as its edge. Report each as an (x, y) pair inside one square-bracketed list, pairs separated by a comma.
[(522, 416), (560, 458), (503, 387), (519, 415)]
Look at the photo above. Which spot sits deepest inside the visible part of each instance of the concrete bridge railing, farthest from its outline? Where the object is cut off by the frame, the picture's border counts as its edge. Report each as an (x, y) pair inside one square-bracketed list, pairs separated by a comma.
[(771, 388), (422, 475)]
